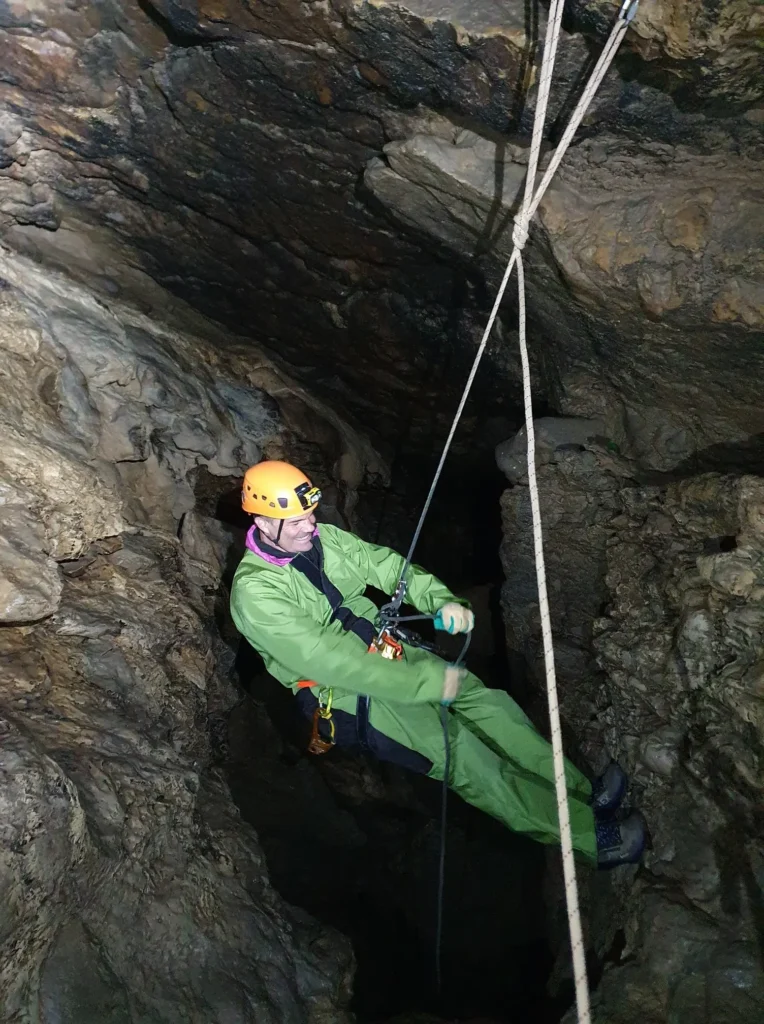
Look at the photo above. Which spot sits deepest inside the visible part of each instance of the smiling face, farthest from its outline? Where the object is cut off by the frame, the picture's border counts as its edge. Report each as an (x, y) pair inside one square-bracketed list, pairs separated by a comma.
[(296, 533)]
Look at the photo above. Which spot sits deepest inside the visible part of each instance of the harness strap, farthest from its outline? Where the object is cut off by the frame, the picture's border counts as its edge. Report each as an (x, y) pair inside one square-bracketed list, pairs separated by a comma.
[(350, 622), (362, 709)]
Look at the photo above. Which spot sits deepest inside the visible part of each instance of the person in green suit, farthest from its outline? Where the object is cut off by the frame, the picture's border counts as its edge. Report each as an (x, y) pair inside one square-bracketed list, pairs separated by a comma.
[(298, 597)]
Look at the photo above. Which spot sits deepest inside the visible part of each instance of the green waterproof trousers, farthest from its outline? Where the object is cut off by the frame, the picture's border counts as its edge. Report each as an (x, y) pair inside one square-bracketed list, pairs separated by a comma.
[(499, 762)]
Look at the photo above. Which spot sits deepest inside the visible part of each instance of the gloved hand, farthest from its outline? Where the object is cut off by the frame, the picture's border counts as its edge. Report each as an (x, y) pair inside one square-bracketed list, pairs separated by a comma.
[(454, 618), (453, 678)]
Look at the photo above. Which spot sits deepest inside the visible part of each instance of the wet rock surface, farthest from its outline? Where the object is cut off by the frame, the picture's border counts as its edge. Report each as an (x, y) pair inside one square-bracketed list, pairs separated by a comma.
[(656, 598), (121, 850), (644, 296)]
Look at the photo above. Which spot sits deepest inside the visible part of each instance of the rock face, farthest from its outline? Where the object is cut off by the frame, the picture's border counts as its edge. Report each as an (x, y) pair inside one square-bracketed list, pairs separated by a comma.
[(332, 184), (219, 149), (643, 280), (657, 599), (131, 889)]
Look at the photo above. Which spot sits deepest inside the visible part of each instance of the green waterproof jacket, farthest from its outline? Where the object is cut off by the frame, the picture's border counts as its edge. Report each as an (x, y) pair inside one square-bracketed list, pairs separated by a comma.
[(287, 620)]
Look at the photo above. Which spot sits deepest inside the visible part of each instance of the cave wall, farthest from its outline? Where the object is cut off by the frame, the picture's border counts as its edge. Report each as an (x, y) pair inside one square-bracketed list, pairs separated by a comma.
[(656, 600), (280, 207), (132, 889), (224, 163), (220, 149), (644, 276)]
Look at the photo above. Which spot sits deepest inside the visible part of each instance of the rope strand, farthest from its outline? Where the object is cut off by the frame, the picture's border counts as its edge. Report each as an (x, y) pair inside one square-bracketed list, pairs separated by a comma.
[(561, 788), (531, 200)]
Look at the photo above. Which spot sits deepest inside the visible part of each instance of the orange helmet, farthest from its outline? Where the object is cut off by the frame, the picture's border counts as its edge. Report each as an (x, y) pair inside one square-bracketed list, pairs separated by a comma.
[(278, 490)]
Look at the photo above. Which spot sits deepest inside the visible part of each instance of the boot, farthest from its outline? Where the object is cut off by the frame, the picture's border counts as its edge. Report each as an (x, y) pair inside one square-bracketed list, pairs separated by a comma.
[(608, 790), (620, 842)]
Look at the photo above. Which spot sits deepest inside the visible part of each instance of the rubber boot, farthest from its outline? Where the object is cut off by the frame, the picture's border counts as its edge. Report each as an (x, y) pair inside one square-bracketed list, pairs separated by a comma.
[(620, 842), (608, 790)]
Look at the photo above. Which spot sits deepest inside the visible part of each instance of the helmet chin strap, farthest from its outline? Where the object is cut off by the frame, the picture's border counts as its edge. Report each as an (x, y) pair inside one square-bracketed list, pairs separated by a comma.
[(278, 532)]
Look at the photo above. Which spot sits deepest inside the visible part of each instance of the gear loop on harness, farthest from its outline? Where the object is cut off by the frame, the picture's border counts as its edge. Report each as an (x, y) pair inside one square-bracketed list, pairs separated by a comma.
[(323, 712)]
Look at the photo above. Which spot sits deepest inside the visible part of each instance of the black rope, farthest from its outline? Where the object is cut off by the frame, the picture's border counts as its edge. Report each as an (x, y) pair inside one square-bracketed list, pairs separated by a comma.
[(408, 618), (443, 823), (442, 857)]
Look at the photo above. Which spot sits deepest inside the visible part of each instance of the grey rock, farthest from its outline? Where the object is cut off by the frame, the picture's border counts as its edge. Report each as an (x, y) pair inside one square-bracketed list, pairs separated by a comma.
[(667, 664), (77, 986), (118, 714), (661, 751), (135, 560), (214, 198), (464, 195), (181, 151), (211, 542), (43, 837), (551, 433), (117, 845), (30, 584)]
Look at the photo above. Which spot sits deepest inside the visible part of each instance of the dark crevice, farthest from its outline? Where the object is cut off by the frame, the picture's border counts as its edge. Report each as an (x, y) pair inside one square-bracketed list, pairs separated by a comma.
[(355, 842), (184, 38), (727, 457), (714, 545)]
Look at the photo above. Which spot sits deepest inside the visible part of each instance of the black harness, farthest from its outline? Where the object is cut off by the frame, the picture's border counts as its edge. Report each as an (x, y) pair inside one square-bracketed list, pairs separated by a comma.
[(311, 565)]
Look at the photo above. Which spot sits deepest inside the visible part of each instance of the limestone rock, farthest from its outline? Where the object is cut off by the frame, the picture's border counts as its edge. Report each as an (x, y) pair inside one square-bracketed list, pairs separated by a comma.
[(650, 236), (656, 600), (579, 484), (180, 145), (119, 840), (30, 585), (78, 985), (148, 848), (702, 43), (208, 540), (115, 415), (44, 839), (551, 434), (211, 549), (216, 152)]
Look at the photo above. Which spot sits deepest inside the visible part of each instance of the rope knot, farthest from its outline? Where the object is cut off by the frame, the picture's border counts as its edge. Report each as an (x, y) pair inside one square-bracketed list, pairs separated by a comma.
[(520, 231)]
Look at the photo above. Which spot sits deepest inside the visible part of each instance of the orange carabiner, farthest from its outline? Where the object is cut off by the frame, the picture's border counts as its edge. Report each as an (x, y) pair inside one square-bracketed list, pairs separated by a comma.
[(387, 647), (317, 745)]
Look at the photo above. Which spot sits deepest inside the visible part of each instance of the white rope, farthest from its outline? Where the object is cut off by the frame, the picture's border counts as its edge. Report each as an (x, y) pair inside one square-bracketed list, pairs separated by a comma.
[(519, 237), (554, 23), (531, 200), (577, 946), (625, 17), (520, 233)]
